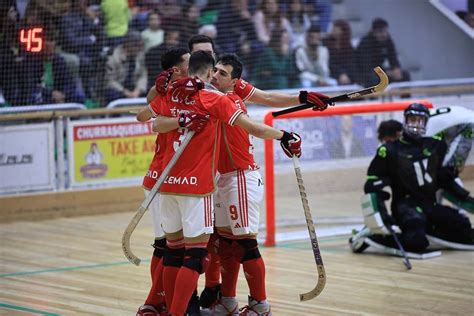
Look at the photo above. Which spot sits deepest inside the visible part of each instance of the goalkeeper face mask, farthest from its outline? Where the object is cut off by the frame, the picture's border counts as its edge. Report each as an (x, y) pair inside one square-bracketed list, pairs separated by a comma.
[(415, 125)]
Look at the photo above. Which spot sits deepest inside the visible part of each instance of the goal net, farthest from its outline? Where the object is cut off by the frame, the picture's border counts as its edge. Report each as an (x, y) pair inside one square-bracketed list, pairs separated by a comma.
[(338, 145)]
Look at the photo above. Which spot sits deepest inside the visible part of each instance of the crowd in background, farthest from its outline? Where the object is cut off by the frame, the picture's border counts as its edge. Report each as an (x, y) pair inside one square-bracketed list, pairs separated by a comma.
[(98, 51)]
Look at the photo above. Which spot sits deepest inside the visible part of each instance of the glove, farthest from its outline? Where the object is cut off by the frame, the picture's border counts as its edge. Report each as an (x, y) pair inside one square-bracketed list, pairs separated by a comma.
[(291, 144), (193, 121), (161, 82), (185, 87), (314, 99)]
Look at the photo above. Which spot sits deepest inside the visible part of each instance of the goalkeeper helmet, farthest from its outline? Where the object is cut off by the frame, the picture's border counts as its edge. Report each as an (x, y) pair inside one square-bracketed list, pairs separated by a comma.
[(416, 118)]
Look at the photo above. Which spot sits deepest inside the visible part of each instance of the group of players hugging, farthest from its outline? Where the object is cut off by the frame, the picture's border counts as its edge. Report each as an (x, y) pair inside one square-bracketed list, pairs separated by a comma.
[(206, 214)]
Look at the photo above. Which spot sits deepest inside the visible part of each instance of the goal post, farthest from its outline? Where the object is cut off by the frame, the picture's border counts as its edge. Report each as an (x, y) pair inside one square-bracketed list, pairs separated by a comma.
[(338, 110)]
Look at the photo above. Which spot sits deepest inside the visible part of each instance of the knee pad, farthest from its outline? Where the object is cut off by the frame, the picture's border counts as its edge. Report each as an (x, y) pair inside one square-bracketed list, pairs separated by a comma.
[(197, 259), (248, 249), (173, 257), (159, 245), (415, 240)]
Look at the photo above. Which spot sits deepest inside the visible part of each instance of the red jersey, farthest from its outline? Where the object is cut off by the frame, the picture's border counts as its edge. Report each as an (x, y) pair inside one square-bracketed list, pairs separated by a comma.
[(194, 172), (236, 148), (156, 165), (244, 89)]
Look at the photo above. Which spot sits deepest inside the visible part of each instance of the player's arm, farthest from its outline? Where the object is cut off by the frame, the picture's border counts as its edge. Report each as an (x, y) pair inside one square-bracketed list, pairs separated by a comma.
[(290, 142), (161, 84), (279, 99), (377, 174), (191, 121)]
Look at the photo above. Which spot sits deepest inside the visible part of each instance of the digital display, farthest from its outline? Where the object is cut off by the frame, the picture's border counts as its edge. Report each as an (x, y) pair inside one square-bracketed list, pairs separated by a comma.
[(32, 39)]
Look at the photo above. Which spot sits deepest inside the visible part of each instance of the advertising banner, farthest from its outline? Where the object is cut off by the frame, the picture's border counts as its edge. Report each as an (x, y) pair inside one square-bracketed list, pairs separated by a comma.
[(27, 158), (109, 151)]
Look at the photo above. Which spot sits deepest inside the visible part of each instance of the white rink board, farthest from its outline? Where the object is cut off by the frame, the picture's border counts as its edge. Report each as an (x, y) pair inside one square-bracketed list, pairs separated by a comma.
[(27, 158)]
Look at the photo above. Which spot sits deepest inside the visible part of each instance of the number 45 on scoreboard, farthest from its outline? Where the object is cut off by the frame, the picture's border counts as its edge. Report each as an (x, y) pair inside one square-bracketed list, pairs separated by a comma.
[(32, 39)]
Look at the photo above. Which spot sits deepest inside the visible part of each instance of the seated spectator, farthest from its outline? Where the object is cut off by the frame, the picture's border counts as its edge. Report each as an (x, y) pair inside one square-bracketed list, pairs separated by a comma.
[(320, 13), (374, 50), (82, 40), (126, 74), (153, 56), (341, 53), (267, 19), (275, 68), (153, 35), (234, 24), (10, 58), (296, 24), (312, 61), (116, 15), (190, 22), (47, 78)]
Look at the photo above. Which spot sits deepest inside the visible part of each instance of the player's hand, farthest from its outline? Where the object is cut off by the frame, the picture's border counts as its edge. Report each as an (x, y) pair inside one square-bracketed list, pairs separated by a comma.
[(193, 121), (315, 99), (291, 144), (185, 87), (162, 81)]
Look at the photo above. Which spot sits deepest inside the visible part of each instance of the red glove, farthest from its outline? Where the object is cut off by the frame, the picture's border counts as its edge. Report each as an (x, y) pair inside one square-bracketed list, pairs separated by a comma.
[(185, 87), (315, 99), (193, 121), (291, 144), (161, 82)]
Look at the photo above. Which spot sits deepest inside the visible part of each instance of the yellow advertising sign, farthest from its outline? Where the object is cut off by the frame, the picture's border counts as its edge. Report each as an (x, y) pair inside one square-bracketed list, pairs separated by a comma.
[(111, 150)]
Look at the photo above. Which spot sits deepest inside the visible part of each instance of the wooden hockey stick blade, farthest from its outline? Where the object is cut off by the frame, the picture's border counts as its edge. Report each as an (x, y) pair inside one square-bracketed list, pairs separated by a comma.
[(312, 234), (127, 251), (383, 83)]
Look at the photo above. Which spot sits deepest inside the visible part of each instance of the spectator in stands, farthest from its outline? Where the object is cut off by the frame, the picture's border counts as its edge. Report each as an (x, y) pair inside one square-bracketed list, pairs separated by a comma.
[(82, 39), (10, 58), (235, 26), (190, 21), (126, 74), (469, 19), (275, 69), (153, 35), (116, 15), (312, 61), (320, 12), (171, 13), (47, 78), (297, 23), (153, 56), (374, 50), (341, 53), (267, 19)]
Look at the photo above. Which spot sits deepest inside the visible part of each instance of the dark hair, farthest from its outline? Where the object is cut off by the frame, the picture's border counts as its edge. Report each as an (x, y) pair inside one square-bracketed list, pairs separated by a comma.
[(378, 24), (345, 40), (232, 60), (314, 29), (172, 57), (389, 128), (197, 39), (200, 62), (153, 12)]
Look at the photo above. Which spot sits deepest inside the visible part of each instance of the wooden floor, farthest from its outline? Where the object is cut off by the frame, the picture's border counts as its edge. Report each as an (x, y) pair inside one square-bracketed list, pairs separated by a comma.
[(75, 266)]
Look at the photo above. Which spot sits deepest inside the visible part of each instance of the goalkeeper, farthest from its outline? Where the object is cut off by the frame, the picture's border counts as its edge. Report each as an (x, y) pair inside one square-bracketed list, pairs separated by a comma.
[(413, 168)]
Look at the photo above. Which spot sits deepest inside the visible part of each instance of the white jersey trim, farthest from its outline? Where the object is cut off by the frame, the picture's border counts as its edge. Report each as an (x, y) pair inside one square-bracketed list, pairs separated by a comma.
[(234, 117), (151, 110), (250, 94)]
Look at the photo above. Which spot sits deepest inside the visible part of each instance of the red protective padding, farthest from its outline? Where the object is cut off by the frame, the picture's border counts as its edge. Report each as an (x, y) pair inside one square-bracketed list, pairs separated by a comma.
[(335, 110)]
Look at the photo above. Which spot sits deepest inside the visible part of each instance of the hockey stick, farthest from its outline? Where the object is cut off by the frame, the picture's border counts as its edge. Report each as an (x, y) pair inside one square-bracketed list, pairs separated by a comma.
[(344, 97), (312, 235), (406, 261), (127, 251)]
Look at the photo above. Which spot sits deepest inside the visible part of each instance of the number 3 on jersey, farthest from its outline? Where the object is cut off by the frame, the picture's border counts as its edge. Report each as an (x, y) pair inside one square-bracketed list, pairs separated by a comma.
[(183, 132), (421, 174)]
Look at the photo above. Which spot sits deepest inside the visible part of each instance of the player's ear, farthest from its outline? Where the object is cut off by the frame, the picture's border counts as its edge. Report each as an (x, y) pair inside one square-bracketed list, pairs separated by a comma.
[(234, 81)]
